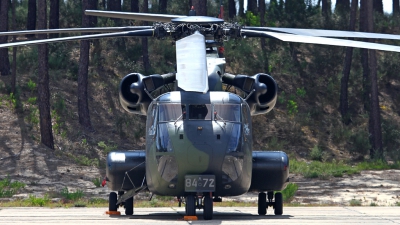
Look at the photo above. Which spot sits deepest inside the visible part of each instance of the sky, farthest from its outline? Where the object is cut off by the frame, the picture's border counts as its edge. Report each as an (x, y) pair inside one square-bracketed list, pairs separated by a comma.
[(387, 5)]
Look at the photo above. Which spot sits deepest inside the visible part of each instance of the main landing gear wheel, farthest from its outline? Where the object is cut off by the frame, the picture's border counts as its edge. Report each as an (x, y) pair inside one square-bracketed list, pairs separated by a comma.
[(190, 205), (129, 207), (262, 203), (112, 202), (278, 204), (208, 208)]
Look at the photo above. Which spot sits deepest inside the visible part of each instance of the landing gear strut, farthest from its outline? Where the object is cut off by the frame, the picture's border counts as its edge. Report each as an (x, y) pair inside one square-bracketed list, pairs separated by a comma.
[(263, 203), (206, 203)]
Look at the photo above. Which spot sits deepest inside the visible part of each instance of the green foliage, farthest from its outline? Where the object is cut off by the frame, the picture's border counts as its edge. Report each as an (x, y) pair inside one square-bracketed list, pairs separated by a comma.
[(97, 182), (282, 98), (397, 203), (359, 142), (292, 107), (85, 161), (31, 85), (8, 188), (391, 139), (107, 148), (355, 202), (316, 153), (289, 192), (301, 92), (80, 204), (33, 116), (274, 143), (250, 19), (37, 201), (373, 204), (322, 170), (377, 165), (78, 194), (32, 100)]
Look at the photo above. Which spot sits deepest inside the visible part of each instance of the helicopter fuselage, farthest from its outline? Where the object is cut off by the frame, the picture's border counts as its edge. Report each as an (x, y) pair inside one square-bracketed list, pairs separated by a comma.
[(198, 142)]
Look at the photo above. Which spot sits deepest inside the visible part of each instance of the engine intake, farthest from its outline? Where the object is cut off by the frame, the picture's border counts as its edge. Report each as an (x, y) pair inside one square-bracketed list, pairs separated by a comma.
[(134, 90), (262, 87)]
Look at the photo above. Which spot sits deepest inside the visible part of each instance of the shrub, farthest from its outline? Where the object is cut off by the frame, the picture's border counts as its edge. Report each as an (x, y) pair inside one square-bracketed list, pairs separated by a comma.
[(355, 202), (78, 194), (289, 192), (35, 201), (316, 153)]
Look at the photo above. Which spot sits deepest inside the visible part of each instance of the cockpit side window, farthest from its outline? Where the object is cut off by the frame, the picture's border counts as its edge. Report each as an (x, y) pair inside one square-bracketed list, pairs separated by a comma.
[(227, 112), (152, 119), (200, 112)]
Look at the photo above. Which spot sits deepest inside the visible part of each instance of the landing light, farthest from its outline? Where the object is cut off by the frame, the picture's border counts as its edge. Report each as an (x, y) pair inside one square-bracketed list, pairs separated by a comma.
[(172, 186)]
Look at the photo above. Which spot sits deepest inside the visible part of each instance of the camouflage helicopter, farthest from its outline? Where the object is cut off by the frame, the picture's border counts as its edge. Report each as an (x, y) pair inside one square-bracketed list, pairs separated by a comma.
[(198, 135)]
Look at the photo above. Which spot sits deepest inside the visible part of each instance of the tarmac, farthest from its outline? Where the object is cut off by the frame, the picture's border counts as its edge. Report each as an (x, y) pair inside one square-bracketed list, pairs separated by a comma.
[(222, 215)]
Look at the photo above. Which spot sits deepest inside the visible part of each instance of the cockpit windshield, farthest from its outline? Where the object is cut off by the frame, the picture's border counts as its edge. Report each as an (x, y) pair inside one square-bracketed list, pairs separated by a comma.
[(200, 112), (171, 112), (227, 112)]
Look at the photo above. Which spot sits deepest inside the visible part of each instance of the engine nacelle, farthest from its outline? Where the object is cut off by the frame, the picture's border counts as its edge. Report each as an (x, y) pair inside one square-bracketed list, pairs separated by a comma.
[(265, 95), (134, 90), (132, 96), (270, 171), (261, 87)]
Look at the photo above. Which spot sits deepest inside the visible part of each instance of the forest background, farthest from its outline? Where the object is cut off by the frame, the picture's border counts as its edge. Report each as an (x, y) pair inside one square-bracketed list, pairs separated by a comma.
[(334, 103)]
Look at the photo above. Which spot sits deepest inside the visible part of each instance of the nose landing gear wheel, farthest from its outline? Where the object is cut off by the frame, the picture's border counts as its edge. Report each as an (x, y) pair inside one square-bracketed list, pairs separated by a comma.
[(278, 204), (112, 202), (208, 208), (190, 205), (129, 207), (262, 204)]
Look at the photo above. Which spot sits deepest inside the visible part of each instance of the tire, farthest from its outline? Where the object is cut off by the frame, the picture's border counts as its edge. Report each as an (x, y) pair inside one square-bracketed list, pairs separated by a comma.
[(278, 204), (208, 208), (129, 207), (112, 202), (262, 204), (190, 205)]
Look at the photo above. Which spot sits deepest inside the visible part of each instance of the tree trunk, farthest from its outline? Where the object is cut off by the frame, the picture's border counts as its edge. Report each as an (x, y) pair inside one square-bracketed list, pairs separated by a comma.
[(31, 20), (46, 132), (163, 6), (145, 50), (396, 7), (344, 103), (134, 5), (262, 40), (83, 105), (378, 6), (375, 115), (200, 6), (14, 62), (54, 20), (252, 6), (5, 62), (364, 56), (232, 9), (241, 8), (342, 6)]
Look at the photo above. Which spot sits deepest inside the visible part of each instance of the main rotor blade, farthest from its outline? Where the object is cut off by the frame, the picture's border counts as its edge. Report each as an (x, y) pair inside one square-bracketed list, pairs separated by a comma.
[(319, 40), (327, 33), (76, 30), (139, 33), (133, 16)]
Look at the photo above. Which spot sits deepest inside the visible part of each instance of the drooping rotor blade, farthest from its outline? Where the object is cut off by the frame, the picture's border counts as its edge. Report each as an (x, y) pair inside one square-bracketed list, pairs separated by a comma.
[(76, 30), (133, 16), (319, 40), (327, 33), (138, 33)]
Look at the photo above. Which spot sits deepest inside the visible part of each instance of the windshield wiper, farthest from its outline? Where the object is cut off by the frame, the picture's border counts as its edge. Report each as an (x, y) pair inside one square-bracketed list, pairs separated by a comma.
[(183, 113), (216, 115)]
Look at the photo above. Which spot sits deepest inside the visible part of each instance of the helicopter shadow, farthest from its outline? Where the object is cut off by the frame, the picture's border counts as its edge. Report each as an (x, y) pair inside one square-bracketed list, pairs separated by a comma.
[(218, 217)]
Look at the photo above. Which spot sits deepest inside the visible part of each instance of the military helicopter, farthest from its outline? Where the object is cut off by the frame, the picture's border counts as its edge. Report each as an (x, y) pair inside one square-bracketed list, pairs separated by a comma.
[(198, 135)]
